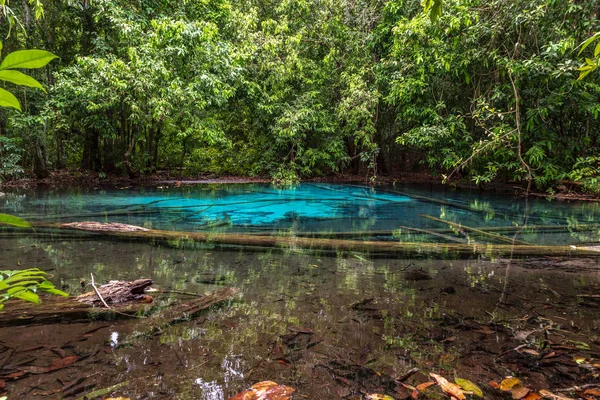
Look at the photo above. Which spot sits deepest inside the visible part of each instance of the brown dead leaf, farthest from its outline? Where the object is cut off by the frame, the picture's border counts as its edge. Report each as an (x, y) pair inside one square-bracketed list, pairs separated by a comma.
[(530, 351), (57, 364), (508, 383), (377, 396), (300, 329), (495, 385), (522, 335), (449, 387), (518, 392), (485, 330), (549, 355), (266, 390), (593, 392)]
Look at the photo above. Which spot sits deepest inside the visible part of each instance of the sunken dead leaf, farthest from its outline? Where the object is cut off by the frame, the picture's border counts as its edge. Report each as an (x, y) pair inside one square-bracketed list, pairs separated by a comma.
[(549, 395), (469, 386), (519, 392), (449, 388), (379, 397), (532, 396), (265, 390), (507, 384)]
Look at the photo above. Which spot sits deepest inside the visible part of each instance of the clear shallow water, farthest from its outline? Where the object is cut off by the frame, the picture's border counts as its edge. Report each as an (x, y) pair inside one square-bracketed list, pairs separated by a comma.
[(381, 213), (371, 319)]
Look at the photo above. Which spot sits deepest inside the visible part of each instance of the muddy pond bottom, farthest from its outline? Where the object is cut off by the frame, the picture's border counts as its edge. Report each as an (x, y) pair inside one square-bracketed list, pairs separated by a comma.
[(331, 327)]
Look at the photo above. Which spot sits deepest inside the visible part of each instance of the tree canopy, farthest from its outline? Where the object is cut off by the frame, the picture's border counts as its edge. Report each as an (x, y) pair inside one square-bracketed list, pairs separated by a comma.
[(481, 90)]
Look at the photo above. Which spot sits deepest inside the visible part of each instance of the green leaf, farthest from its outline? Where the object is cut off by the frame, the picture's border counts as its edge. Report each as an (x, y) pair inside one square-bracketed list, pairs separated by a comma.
[(436, 10), (469, 386), (14, 221), (48, 287), (7, 99), (19, 78), (21, 292), (589, 41), (597, 50), (27, 59)]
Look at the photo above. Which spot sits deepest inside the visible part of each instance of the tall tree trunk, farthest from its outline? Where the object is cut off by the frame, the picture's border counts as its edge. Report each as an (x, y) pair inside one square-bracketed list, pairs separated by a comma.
[(40, 162)]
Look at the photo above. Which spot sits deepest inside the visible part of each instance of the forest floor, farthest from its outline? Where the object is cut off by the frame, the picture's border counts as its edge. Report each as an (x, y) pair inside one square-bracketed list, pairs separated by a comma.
[(76, 178)]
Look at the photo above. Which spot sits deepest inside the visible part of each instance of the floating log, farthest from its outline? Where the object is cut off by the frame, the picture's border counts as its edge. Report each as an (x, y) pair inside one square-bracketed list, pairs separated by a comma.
[(270, 242), (55, 310), (474, 230)]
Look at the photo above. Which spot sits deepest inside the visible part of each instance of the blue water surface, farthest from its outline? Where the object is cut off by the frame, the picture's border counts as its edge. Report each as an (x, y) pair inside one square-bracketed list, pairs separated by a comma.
[(374, 213)]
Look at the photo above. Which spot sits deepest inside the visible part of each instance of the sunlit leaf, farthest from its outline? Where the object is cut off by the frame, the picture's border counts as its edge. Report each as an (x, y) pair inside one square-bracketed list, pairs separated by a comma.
[(7, 99), (589, 41), (14, 221), (19, 78), (508, 383), (376, 396), (21, 292), (469, 386), (449, 387), (27, 59)]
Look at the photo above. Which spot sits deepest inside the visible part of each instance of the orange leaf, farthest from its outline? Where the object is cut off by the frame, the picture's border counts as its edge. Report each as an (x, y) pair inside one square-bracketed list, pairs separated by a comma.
[(448, 387), (265, 390), (593, 392), (495, 385), (424, 386), (532, 396)]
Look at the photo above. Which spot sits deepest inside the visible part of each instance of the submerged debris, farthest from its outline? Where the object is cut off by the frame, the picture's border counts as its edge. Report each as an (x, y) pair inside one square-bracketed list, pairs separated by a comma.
[(118, 292)]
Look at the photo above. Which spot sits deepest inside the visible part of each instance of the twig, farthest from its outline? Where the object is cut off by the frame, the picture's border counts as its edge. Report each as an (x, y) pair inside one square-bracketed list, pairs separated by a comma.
[(98, 293), (578, 388)]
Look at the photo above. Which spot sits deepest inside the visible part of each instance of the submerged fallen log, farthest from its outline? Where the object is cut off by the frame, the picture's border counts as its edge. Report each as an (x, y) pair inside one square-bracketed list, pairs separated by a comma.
[(495, 236), (59, 310), (288, 242), (117, 292)]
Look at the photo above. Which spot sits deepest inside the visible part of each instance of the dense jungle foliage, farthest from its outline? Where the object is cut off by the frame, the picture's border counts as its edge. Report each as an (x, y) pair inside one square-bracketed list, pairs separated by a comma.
[(297, 88)]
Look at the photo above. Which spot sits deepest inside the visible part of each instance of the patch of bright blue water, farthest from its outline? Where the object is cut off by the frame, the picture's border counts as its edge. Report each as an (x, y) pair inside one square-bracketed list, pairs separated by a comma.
[(312, 207)]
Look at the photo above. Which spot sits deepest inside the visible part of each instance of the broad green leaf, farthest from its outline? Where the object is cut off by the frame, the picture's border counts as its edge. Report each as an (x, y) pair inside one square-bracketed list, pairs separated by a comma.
[(48, 287), (7, 99), (597, 50), (23, 293), (56, 292), (27, 59), (589, 41), (583, 74), (14, 221), (469, 386), (20, 78)]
